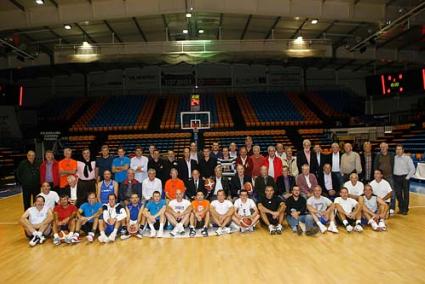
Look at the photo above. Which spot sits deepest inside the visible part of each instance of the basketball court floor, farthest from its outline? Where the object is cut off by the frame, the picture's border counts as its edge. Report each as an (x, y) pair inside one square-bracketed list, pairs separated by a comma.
[(395, 256)]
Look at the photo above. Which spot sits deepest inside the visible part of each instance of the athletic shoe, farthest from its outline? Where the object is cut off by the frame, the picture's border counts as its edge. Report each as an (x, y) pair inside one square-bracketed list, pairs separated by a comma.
[(322, 228), (56, 241), (112, 236), (279, 229), (272, 229), (141, 232), (180, 229), (219, 231), (349, 228), (392, 212), (103, 239), (68, 239), (250, 229), (42, 239), (332, 228), (175, 231), (160, 233), (90, 237), (374, 225), (227, 230), (192, 232), (75, 239), (125, 236), (234, 227), (299, 230), (382, 225), (358, 228), (204, 232), (312, 231), (34, 241), (153, 234)]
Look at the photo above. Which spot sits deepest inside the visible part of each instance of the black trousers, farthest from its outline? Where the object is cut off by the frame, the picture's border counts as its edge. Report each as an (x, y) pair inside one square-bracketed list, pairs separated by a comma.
[(401, 188), (27, 193)]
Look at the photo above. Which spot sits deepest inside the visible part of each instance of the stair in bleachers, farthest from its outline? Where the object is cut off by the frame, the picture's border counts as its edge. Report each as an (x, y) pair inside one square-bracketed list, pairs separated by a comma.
[(158, 113), (236, 113)]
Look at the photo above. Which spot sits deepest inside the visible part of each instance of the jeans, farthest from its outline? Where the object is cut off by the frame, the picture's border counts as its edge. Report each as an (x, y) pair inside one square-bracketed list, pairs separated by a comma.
[(306, 219), (401, 189)]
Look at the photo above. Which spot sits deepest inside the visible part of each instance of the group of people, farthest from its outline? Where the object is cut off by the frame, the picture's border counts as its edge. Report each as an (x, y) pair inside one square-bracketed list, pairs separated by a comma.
[(229, 189)]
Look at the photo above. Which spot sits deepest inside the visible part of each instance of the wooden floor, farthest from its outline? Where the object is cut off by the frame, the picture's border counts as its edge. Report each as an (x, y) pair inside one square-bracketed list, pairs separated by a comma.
[(396, 256)]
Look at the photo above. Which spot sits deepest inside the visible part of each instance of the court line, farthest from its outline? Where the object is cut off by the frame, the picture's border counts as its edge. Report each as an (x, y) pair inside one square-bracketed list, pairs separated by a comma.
[(13, 195)]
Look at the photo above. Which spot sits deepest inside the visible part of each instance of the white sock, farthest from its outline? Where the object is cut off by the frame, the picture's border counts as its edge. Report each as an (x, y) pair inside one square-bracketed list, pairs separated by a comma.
[(371, 221), (114, 231), (76, 234), (151, 227), (161, 226), (91, 233), (71, 233), (319, 223), (102, 233), (358, 222), (192, 227), (56, 236), (345, 222), (34, 233)]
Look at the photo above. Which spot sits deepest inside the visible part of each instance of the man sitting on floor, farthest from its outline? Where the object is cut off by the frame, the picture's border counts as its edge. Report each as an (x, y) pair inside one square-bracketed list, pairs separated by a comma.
[(134, 221), (64, 219), (221, 213), (155, 214), (322, 210), (88, 216), (111, 220), (297, 214), (200, 216), (37, 221), (349, 211), (272, 211), (374, 209), (245, 208), (178, 213)]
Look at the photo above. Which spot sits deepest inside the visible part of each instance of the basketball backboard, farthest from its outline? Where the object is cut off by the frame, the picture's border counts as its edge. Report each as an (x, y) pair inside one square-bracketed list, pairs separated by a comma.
[(195, 120)]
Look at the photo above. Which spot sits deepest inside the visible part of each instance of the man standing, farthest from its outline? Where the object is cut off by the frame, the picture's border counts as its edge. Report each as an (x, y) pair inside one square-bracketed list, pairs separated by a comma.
[(273, 163), (51, 198), (367, 159), (103, 163), (291, 162), (157, 164), (28, 175), (139, 164), (321, 158), (193, 153), (169, 163), (335, 161), (67, 166), (178, 213), (307, 157), (186, 165), (280, 151), (404, 169), (215, 151), (350, 162), (384, 161), (245, 161), (207, 164), (49, 170), (120, 165), (86, 172), (258, 161), (272, 211)]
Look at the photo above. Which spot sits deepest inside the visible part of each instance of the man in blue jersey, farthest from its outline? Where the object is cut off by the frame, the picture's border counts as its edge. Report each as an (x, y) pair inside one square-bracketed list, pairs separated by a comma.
[(111, 219), (106, 187), (120, 165), (155, 214), (88, 216), (135, 220)]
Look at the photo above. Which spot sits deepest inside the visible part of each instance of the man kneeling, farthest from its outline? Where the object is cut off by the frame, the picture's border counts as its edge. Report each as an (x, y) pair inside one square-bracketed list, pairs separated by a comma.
[(272, 211), (349, 211), (178, 213), (200, 216), (111, 219), (37, 222), (221, 213), (246, 213)]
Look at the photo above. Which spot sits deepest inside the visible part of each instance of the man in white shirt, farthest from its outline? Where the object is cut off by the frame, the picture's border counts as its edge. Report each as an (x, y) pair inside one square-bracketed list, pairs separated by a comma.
[(335, 160), (139, 164), (178, 213), (348, 211), (404, 169), (381, 187), (113, 216), (51, 197), (374, 209), (322, 210), (221, 211), (280, 151), (354, 186), (37, 221), (150, 185), (245, 208)]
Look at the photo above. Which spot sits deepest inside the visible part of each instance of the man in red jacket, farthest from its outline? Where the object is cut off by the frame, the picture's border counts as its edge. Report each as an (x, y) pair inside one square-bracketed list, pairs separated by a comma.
[(273, 163), (49, 171)]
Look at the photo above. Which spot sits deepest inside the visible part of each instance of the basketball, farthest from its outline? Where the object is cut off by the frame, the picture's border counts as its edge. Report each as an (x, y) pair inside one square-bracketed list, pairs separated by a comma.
[(246, 222), (132, 229), (209, 184), (248, 187)]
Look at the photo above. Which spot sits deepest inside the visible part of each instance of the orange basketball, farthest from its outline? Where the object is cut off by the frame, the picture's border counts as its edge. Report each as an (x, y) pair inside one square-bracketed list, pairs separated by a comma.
[(248, 187), (132, 229), (246, 222), (209, 184)]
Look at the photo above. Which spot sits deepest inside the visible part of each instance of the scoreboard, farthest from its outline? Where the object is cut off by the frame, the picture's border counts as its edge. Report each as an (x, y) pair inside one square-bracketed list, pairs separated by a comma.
[(396, 84)]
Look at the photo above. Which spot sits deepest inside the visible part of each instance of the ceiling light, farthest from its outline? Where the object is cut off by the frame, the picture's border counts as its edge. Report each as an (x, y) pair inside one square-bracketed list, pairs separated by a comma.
[(299, 40), (185, 31), (67, 27), (201, 31), (314, 21), (86, 45), (188, 15), (39, 2)]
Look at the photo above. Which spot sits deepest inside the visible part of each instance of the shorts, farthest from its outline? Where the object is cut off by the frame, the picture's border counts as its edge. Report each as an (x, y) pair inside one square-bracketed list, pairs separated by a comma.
[(272, 221), (156, 224), (323, 220), (46, 233), (87, 227), (350, 221), (109, 229), (63, 227), (199, 224)]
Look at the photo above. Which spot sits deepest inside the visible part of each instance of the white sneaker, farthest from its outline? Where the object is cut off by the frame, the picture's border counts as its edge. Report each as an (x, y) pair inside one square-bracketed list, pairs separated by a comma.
[(234, 227), (392, 212), (103, 239), (112, 237), (272, 229), (90, 237), (42, 239), (227, 230), (349, 228), (160, 233), (382, 225), (219, 231), (374, 226), (332, 228), (175, 231), (180, 228), (358, 228), (322, 228)]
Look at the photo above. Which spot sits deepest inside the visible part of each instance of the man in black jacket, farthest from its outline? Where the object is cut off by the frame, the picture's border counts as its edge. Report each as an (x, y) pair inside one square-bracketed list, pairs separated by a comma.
[(207, 164), (285, 183), (76, 192), (321, 158), (186, 165), (237, 182), (28, 175), (128, 187), (306, 156), (194, 184), (169, 163), (329, 182), (262, 181), (367, 158), (296, 213), (157, 164), (220, 182)]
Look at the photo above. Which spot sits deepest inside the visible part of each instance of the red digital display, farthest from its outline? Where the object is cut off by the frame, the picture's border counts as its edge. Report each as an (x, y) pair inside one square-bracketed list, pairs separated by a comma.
[(423, 78), (392, 84)]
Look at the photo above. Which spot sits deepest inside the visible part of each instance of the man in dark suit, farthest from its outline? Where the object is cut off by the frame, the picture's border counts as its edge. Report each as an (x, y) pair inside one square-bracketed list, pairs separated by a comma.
[(77, 193), (170, 163), (128, 187), (262, 181), (220, 182), (285, 183), (157, 164), (307, 157), (207, 164), (329, 182), (367, 158), (194, 184), (321, 158), (334, 159), (186, 165), (237, 182)]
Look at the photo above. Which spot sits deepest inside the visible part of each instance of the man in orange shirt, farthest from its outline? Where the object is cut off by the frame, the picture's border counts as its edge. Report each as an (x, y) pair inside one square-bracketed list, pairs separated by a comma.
[(200, 216), (67, 166), (173, 184)]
